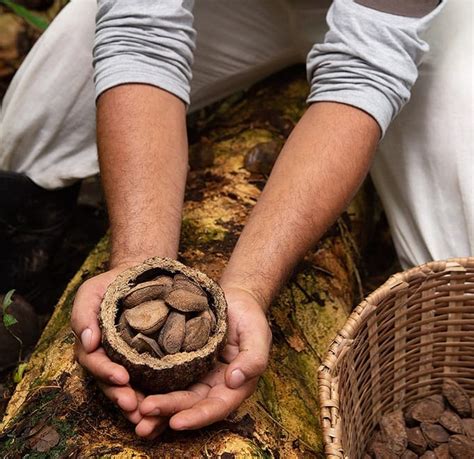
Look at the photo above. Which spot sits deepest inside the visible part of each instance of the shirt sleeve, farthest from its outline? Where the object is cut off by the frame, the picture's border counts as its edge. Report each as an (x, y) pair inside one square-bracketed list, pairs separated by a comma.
[(144, 41), (369, 59)]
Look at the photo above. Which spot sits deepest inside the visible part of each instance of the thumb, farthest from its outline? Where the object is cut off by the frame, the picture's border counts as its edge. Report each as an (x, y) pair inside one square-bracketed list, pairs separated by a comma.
[(254, 349), (84, 320)]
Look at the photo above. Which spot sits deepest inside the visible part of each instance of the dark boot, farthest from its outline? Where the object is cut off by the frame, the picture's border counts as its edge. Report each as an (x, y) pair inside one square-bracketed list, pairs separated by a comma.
[(32, 222)]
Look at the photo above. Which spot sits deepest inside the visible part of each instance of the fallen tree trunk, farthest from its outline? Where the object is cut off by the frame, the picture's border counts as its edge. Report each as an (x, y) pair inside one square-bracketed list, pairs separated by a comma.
[(56, 401)]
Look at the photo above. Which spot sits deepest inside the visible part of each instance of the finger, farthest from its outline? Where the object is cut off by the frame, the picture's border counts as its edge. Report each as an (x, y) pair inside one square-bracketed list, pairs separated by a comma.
[(84, 321), (171, 403), (151, 426), (229, 353), (217, 406), (252, 359), (123, 396), (132, 416), (135, 416), (101, 367)]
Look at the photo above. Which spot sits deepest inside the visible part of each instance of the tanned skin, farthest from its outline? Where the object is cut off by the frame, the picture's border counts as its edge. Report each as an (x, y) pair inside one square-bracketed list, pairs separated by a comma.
[(141, 134), (143, 157), (322, 165)]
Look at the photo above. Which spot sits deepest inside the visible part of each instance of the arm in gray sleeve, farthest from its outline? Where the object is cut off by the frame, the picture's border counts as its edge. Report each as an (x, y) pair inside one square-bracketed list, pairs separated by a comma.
[(369, 59), (144, 41)]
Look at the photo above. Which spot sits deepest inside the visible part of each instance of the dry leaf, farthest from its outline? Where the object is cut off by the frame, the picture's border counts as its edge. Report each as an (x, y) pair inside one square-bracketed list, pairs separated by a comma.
[(296, 343), (45, 439)]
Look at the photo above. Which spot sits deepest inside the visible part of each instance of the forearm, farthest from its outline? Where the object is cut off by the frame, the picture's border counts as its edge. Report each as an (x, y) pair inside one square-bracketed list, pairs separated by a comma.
[(141, 134), (317, 173)]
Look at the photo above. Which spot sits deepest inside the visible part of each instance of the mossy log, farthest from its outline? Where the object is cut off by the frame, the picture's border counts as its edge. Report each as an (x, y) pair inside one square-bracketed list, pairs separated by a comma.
[(281, 418)]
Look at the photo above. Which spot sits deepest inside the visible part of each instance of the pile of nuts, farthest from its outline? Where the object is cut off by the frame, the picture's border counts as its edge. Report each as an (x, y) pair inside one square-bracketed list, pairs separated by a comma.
[(166, 315), (435, 427)]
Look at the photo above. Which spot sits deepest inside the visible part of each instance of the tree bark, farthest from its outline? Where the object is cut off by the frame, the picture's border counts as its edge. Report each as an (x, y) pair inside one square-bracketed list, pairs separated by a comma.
[(281, 418)]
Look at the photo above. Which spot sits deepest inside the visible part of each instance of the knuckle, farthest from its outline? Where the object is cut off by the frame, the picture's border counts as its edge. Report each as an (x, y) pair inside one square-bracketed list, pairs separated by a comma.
[(174, 404), (206, 412), (79, 357), (259, 365)]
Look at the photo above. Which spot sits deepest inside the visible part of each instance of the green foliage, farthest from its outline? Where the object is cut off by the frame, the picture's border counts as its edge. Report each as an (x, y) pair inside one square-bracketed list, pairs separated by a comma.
[(8, 319), (33, 19), (19, 372)]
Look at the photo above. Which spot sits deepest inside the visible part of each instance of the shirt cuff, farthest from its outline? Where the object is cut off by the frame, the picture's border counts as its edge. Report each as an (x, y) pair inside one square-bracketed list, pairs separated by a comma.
[(162, 77), (367, 99)]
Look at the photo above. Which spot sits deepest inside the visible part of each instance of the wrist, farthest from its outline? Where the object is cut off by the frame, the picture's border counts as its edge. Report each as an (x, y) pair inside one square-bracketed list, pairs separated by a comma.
[(132, 258), (116, 263), (237, 292)]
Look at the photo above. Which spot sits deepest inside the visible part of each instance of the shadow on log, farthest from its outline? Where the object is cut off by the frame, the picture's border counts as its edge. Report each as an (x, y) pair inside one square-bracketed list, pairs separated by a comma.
[(281, 418)]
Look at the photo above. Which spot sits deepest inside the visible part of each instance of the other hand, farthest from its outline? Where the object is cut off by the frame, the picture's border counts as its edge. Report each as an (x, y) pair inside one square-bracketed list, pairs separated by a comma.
[(112, 378), (223, 390)]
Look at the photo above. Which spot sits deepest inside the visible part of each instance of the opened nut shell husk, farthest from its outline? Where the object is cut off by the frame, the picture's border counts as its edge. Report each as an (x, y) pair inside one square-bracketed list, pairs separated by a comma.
[(174, 371)]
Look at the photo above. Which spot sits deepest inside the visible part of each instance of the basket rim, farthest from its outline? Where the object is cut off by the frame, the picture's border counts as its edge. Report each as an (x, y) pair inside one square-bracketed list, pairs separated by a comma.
[(327, 383)]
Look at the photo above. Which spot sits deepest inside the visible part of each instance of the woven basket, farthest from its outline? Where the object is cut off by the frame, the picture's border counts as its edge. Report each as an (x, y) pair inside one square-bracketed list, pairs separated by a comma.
[(396, 347)]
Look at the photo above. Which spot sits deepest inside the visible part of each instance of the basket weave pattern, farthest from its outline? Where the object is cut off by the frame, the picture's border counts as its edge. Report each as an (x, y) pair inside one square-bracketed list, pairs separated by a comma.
[(396, 347)]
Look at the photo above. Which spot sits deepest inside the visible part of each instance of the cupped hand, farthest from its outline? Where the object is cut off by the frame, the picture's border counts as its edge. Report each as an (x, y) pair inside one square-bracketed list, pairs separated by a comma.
[(223, 390), (111, 377)]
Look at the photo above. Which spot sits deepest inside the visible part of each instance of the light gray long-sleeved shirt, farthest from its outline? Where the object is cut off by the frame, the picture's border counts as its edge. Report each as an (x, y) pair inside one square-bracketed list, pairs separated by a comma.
[(369, 57)]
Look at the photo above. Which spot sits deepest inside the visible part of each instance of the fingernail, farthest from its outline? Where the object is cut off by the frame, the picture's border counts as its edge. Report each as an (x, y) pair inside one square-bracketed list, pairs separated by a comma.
[(86, 338), (179, 426), (117, 380), (237, 378)]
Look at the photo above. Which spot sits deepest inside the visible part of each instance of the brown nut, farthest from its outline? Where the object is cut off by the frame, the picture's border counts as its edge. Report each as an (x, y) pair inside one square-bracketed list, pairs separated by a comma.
[(181, 281), (381, 451), (146, 291), (171, 336), (428, 409), (408, 455), (196, 333), (209, 315), (468, 426), (461, 447), (125, 330), (185, 301), (434, 434), (163, 279), (457, 397), (416, 441), (394, 432), (442, 451), (147, 317), (143, 343), (451, 421)]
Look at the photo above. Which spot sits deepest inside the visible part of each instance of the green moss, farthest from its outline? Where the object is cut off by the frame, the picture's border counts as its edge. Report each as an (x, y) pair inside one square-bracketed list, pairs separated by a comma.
[(39, 411), (202, 233), (57, 322), (267, 394)]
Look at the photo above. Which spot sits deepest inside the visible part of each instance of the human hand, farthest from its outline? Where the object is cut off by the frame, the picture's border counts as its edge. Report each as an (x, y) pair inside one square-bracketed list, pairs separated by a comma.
[(221, 391), (111, 377)]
